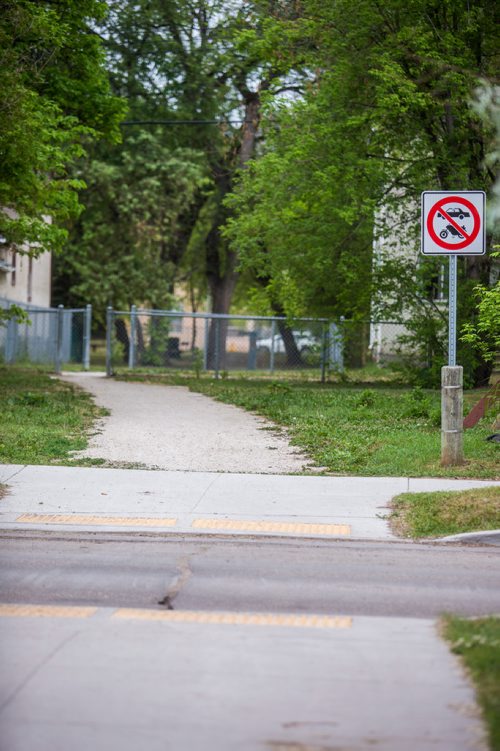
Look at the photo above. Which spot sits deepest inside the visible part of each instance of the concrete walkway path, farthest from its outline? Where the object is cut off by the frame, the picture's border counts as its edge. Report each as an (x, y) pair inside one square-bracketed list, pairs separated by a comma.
[(389, 682), (169, 427), (206, 502)]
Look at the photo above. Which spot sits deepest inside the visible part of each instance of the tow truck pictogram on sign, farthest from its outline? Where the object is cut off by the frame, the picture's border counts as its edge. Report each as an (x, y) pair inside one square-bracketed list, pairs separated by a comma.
[(453, 223)]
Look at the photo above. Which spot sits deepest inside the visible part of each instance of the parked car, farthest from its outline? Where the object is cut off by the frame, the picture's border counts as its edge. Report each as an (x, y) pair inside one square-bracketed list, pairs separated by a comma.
[(305, 341)]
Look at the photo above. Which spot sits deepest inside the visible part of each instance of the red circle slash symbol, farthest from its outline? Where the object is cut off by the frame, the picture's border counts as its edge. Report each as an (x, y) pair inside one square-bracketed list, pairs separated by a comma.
[(456, 229)]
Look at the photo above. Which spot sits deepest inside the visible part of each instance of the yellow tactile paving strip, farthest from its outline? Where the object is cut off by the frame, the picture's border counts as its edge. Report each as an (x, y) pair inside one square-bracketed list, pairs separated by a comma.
[(219, 525), (46, 611), (284, 620), (116, 521), (301, 528), (236, 619)]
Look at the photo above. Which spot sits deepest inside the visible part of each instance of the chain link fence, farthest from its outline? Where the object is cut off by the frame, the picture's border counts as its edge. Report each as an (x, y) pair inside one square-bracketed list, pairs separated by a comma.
[(49, 336), (198, 342)]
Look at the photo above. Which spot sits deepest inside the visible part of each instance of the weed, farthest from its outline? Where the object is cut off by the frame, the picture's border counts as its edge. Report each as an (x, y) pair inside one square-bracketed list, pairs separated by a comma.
[(278, 387), (197, 362), (477, 642), (366, 398)]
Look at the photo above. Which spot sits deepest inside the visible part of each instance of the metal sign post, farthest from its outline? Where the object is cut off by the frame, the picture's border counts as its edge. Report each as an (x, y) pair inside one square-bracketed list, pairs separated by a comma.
[(452, 224), (452, 312)]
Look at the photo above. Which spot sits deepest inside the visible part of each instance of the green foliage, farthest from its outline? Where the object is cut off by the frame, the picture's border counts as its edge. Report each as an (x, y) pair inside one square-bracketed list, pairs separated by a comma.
[(349, 160), (125, 246), (440, 513), (43, 420), (389, 431), (217, 71), (156, 353), (54, 100), (298, 222), (477, 641), (366, 398), (197, 362), (484, 333), (14, 312), (418, 403)]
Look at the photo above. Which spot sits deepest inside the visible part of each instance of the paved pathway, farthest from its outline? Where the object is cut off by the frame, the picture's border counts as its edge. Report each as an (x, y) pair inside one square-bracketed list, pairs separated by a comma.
[(206, 502), (169, 427), (357, 683)]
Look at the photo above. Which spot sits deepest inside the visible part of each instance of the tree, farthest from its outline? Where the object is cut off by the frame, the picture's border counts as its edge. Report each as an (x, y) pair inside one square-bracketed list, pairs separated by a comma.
[(388, 116), (123, 247), (54, 100), (199, 70), (484, 332)]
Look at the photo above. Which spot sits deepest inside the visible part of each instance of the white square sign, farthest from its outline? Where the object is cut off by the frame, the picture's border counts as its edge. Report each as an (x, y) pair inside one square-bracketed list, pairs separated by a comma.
[(453, 223)]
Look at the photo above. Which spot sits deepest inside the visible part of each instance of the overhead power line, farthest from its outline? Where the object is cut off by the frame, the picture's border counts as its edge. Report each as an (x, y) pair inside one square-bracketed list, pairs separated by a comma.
[(183, 122)]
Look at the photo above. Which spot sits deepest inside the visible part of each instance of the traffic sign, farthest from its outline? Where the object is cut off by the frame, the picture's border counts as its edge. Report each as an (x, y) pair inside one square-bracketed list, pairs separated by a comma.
[(453, 223)]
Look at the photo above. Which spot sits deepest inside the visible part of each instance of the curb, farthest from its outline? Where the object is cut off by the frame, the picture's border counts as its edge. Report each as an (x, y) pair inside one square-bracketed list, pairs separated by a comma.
[(486, 537)]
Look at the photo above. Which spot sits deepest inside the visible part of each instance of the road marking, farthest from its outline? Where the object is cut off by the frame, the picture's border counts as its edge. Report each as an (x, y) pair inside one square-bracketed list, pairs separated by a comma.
[(286, 620), (262, 526), (116, 521), (46, 611), (236, 619)]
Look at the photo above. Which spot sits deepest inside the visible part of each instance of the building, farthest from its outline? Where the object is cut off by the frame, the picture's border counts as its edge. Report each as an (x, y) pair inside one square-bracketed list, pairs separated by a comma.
[(24, 279)]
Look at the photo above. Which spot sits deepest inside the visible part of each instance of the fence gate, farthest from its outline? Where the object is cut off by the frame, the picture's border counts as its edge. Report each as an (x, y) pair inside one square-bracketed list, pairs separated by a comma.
[(197, 342)]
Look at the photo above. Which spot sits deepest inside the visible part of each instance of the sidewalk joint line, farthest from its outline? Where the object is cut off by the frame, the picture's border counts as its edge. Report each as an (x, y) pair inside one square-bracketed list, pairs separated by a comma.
[(205, 492), (17, 472)]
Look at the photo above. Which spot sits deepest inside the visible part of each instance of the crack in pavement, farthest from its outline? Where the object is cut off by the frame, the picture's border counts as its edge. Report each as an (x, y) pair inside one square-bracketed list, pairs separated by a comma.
[(178, 584)]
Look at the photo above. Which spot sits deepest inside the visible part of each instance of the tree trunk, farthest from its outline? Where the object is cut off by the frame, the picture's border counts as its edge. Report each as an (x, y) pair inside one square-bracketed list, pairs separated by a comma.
[(221, 290), (221, 260), (122, 337), (293, 356)]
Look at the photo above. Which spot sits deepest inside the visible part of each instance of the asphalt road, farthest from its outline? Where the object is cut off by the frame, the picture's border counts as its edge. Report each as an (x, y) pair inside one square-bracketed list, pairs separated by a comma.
[(165, 642), (276, 575)]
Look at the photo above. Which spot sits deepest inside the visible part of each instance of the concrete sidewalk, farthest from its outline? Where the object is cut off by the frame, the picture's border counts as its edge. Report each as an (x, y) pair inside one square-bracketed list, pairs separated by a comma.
[(46, 497)]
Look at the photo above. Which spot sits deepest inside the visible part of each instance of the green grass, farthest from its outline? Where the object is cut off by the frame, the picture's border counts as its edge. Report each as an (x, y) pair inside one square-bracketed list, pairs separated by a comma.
[(43, 420), (350, 429), (445, 512), (345, 428), (477, 642)]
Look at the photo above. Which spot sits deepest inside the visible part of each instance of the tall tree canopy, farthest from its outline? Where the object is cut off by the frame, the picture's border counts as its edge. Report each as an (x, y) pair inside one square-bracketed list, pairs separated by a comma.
[(387, 115), (365, 106), (193, 75), (54, 100)]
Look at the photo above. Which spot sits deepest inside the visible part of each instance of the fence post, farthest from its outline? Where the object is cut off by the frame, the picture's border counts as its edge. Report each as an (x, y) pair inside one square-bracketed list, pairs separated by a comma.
[(59, 338), (340, 341), (324, 352), (131, 349), (10, 343), (271, 353), (452, 416), (109, 340), (252, 350), (217, 346), (335, 349), (205, 345), (87, 327)]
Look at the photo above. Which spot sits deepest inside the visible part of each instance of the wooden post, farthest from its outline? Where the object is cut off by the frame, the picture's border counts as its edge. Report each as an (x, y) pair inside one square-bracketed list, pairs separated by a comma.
[(452, 452)]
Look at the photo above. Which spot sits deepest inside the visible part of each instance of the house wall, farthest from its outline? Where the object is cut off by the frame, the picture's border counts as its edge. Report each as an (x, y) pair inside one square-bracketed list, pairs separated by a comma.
[(24, 279)]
